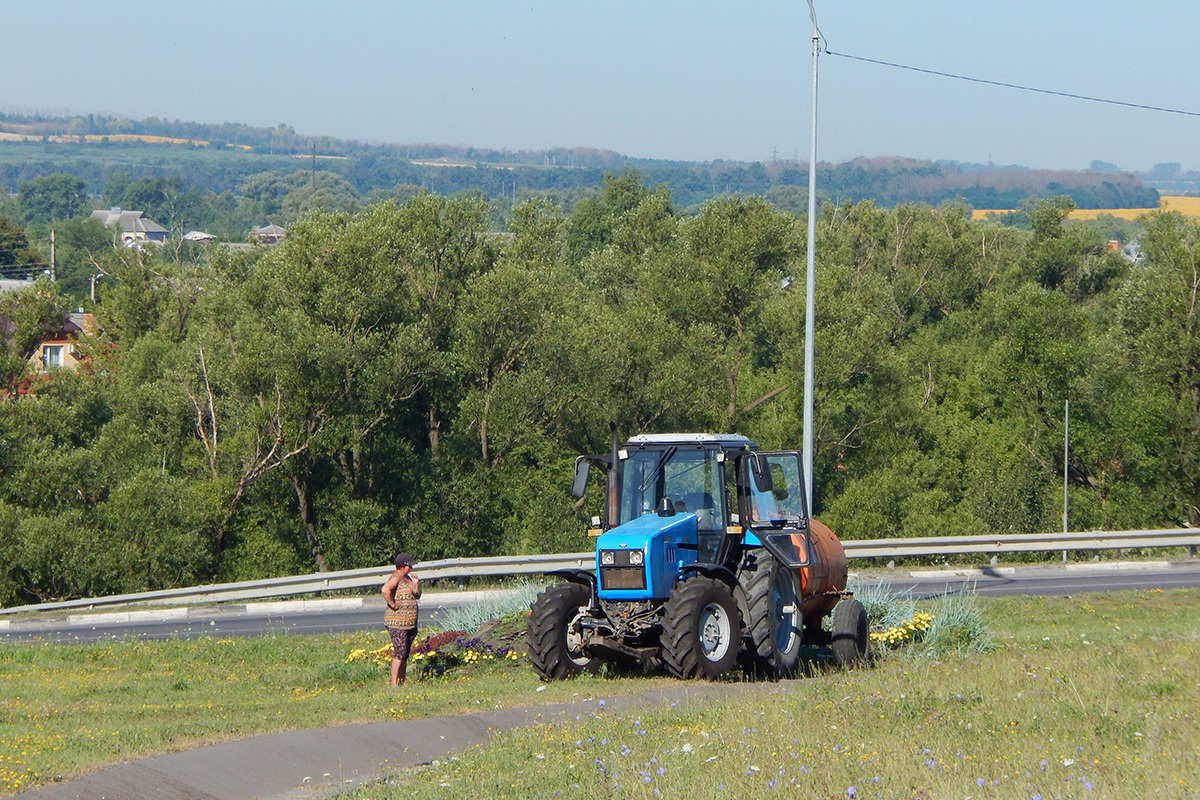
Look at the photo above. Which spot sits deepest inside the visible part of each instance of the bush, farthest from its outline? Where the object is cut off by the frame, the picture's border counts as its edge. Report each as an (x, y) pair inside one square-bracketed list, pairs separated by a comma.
[(472, 617), (885, 607), (954, 624), (958, 625)]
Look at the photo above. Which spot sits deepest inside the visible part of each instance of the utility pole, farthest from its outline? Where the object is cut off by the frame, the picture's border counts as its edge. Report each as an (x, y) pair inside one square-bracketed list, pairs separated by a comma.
[(52, 275), (1066, 454), (810, 275)]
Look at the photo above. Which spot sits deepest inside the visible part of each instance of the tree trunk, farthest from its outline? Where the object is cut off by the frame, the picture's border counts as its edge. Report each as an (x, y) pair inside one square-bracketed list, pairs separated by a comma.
[(301, 482)]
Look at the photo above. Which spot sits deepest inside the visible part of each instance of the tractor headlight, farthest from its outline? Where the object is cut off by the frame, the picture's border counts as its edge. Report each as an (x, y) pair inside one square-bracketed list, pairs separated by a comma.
[(635, 558), (606, 557)]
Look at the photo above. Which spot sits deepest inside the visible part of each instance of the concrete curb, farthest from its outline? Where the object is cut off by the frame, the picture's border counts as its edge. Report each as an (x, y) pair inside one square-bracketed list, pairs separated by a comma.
[(209, 612), (988, 572)]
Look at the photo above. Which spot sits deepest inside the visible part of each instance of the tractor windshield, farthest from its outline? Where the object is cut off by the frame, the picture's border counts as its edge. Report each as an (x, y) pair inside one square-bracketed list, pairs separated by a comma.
[(691, 477)]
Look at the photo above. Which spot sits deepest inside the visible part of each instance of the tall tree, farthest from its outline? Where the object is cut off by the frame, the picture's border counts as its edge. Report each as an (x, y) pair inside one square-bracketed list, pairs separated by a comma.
[(26, 317), (51, 198)]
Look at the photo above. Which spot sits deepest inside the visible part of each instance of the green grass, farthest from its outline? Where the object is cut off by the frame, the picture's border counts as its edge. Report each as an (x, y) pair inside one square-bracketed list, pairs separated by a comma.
[(1098, 690), (65, 709), (1097, 696)]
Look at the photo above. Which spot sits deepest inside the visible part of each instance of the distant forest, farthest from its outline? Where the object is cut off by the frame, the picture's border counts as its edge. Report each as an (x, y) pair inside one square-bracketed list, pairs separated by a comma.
[(222, 159)]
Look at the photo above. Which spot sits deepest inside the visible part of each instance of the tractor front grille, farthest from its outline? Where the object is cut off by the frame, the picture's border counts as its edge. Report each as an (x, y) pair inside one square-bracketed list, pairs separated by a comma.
[(622, 578)]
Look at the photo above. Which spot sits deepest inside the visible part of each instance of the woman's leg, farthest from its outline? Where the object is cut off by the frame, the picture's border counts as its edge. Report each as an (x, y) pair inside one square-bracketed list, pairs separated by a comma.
[(400, 646)]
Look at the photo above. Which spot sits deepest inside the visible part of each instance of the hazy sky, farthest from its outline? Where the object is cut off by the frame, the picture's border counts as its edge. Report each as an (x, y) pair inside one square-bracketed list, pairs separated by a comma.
[(652, 78)]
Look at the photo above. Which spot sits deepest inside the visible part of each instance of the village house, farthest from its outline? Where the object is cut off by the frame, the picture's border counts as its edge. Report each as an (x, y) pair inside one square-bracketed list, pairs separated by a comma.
[(134, 226), (58, 349), (268, 234)]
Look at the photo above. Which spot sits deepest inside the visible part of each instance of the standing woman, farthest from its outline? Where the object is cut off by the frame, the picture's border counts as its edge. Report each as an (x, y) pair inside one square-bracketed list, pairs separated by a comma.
[(400, 592)]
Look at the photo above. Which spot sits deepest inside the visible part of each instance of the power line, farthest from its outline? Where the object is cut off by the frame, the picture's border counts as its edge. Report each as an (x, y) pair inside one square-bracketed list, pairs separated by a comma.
[(1016, 85), (812, 14)]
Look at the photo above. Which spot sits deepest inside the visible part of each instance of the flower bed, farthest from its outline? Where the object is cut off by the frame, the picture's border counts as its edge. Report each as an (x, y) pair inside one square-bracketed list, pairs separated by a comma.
[(441, 652)]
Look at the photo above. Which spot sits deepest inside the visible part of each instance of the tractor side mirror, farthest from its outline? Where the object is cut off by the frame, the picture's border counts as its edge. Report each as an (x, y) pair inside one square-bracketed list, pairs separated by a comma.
[(579, 485), (760, 471)]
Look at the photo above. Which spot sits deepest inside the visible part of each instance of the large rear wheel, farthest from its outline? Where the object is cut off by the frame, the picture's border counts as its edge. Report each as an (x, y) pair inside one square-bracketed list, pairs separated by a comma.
[(555, 637), (773, 598), (701, 629)]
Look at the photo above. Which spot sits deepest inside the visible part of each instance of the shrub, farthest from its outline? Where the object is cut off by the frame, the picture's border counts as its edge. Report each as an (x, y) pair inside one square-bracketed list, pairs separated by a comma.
[(958, 625), (885, 607), (492, 606)]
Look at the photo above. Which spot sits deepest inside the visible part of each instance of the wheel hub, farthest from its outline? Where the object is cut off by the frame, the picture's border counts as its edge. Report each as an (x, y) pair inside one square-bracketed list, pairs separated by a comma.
[(714, 631)]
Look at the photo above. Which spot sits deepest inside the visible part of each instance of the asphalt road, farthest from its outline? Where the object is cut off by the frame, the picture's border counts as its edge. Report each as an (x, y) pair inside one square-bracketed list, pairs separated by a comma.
[(352, 614)]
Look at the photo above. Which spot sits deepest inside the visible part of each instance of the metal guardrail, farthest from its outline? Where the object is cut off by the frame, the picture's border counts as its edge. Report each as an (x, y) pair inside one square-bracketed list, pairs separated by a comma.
[(505, 566), (1022, 543)]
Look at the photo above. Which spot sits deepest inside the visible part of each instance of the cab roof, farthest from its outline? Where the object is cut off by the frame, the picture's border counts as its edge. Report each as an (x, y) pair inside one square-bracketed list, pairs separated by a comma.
[(726, 441)]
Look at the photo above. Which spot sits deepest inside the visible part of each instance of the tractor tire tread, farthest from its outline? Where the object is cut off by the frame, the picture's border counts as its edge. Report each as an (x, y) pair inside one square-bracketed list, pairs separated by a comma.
[(681, 653), (851, 640), (762, 655), (546, 638)]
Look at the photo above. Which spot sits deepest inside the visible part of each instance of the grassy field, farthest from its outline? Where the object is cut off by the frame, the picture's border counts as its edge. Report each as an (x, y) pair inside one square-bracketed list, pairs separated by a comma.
[(65, 709), (1094, 696)]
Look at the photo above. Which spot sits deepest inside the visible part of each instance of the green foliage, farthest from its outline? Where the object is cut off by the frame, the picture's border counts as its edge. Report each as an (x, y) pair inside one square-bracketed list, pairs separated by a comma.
[(501, 604), (959, 626), (1049, 714), (54, 197), (16, 257), (26, 315), (885, 607), (405, 377)]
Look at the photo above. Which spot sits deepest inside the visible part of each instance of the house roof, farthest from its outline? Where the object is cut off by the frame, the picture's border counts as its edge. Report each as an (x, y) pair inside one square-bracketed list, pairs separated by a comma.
[(71, 326), (13, 284), (268, 230), (129, 221)]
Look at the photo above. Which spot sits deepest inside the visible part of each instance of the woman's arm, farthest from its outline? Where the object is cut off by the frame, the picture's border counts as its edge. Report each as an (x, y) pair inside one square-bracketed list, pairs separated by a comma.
[(389, 590)]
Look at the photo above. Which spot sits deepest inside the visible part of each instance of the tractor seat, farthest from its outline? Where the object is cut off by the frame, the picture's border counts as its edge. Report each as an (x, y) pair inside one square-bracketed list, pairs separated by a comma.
[(701, 503)]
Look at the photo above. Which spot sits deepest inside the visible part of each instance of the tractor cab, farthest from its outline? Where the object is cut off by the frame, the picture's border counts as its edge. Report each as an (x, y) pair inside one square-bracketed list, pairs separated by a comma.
[(691, 502)]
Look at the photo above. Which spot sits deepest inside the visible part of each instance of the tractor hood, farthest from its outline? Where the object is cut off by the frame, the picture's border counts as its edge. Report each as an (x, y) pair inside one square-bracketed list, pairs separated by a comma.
[(640, 559)]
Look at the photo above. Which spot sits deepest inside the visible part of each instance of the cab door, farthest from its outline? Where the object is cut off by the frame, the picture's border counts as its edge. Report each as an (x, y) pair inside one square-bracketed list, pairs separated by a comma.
[(774, 510)]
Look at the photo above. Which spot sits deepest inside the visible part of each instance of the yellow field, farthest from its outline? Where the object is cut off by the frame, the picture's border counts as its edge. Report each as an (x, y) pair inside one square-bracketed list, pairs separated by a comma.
[(1187, 206), (93, 138)]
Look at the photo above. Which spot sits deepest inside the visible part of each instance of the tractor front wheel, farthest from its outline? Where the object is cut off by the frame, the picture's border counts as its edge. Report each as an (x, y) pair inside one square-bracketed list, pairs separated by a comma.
[(555, 637), (701, 629)]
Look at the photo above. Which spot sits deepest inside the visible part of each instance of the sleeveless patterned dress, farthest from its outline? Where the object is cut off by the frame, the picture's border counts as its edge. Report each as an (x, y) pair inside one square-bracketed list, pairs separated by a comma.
[(404, 616)]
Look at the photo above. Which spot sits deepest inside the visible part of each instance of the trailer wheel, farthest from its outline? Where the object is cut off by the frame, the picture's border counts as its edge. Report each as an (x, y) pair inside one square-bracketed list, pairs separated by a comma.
[(774, 602), (701, 629), (850, 638), (554, 637)]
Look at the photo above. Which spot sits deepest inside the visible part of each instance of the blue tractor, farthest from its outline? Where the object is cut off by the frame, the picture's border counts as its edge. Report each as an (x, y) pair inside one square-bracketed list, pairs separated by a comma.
[(706, 559)]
